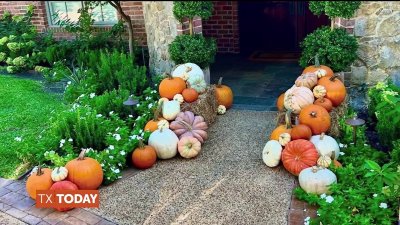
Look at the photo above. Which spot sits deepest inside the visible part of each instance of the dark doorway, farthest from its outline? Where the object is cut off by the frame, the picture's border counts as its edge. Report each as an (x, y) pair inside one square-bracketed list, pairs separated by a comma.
[(275, 27)]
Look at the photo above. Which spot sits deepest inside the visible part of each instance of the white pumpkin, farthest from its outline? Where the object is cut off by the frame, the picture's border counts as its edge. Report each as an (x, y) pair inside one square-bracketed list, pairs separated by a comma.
[(221, 109), (325, 145), (162, 124), (316, 180), (171, 109), (165, 142), (59, 174), (163, 100), (272, 153), (188, 70), (198, 84), (284, 138), (179, 98)]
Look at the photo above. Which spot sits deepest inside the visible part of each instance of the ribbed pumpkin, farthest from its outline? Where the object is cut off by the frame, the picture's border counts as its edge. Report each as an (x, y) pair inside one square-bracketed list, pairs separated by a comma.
[(190, 95), (297, 98), (324, 102), (64, 185), (187, 124), (285, 128), (316, 117), (319, 91), (335, 89), (308, 80), (171, 86), (318, 69), (39, 181), (300, 131), (279, 102), (224, 94), (298, 155), (144, 156), (85, 172), (152, 124)]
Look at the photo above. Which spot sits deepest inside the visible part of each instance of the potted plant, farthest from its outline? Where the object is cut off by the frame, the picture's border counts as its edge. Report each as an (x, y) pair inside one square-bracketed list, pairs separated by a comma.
[(193, 48)]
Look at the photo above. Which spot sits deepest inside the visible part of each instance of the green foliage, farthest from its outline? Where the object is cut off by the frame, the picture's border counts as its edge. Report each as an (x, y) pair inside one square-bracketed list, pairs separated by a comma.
[(346, 135), (195, 49), (190, 9), (343, 9), (335, 48), (395, 153)]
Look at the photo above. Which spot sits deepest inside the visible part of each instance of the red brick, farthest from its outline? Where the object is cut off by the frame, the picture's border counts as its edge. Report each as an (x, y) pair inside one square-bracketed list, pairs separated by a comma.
[(296, 217)]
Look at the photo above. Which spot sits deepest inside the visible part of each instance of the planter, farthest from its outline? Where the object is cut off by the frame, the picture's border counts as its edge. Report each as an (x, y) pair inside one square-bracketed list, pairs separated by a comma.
[(206, 72)]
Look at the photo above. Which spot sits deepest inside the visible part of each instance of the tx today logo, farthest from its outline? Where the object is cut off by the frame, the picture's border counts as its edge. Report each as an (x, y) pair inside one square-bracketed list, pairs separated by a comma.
[(67, 198)]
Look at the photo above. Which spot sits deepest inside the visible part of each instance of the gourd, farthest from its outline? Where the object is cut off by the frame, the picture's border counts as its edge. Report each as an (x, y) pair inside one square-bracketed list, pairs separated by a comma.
[(297, 98), (187, 124), (165, 142), (324, 161), (271, 154), (64, 185), (190, 95), (316, 180), (285, 128), (319, 91), (308, 80), (300, 131), (189, 147), (284, 138), (324, 102), (221, 110), (59, 174), (335, 89), (316, 117), (39, 181), (85, 172), (188, 70), (178, 98), (198, 84), (326, 145), (318, 69), (171, 86), (171, 109), (279, 102), (224, 94), (144, 156), (298, 155)]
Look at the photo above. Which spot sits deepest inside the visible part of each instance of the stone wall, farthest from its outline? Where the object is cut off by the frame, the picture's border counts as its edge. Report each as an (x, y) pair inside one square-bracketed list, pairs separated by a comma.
[(161, 29), (377, 28)]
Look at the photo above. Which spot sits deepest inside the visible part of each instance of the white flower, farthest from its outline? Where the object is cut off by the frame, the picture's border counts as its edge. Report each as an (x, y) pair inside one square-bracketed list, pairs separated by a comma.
[(133, 137), (147, 98), (81, 96), (138, 118), (153, 91), (318, 213), (137, 105), (365, 145), (140, 131), (69, 82), (375, 195), (116, 170), (221, 109), (102, 165), (341, 145), (117, 129), (107, 151), (61, 145), (383, 205), (112, 112), (111, 147), (323, 195), (150, 105), (92, 95), (122, 152), (305, 210), (341, 153), (307, 218), (70, 140), (306, 222), (117, 137), (99, 115), (18, 138), (111, 157), (329, 199), (62, 141), (119, 164), (75, 105), (130, 116)]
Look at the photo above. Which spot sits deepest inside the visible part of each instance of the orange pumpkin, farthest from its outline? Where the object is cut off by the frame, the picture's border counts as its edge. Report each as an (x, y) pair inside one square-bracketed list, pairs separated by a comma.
[(298, 155), (316, 117), (64, 185), (39, 181), (300, 131), (85, 172), (279, 102), (224, 94), (152, 124), (190, 95), (337, 164), (285, 128), (171, 86), (144, 156), (335, 89), (320, 70), (324, 102)]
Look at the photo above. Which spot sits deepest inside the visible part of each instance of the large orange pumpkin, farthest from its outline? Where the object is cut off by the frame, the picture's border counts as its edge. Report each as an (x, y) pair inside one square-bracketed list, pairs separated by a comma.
[(298, 155), (335, 89), (320, 70), (279, 102), (64, 185), (324, 102), (224, 94), (144, 156), (85, 172), (300, 131), (39, 181), (316, 117), (285, 128), (190, 95), (171, 86)]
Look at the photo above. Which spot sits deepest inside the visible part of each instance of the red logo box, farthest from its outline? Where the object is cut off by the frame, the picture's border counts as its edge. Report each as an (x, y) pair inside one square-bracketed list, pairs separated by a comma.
[(67, 198)]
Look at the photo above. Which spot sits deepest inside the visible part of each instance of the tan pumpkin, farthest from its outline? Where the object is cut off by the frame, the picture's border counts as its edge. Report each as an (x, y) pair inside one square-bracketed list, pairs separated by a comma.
[(319, 91), (189, 147), (284, 138), (297, 98), (308, 80), (39, 181)]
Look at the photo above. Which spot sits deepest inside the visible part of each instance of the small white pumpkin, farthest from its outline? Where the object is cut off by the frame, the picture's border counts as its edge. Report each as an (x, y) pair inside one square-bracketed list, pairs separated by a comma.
[(316, 180), (171, 109), (198, 84), (179, 98), (324, 161), (221, 109), (165, 142), (272, 153), (325, 145), (319, 91), (59, 174), (188, 70), (320, 73), (284, 138), (163, 100), (163, 124), (189, 147)]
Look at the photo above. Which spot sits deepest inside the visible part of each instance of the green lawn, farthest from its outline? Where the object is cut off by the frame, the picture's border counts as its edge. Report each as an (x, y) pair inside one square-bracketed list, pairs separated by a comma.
[(25, 109)]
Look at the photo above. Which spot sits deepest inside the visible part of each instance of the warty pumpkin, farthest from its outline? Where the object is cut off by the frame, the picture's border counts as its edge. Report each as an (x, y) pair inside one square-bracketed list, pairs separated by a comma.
[(335, 89), (298, 155), (297, 98), (64, 185), (144, 156), (223, 94), (187, 124), (284, 128), (318, 69), (308, 80), (316, 117), (171, 86), (39, 181)]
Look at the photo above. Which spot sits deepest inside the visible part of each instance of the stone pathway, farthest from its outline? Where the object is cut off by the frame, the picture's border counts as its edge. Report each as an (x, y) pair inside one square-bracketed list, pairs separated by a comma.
[(227, 183)]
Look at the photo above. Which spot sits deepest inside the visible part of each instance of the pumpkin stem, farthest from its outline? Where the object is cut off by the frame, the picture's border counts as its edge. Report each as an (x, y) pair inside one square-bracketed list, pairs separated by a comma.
[(313, 114), (141, 144), (316, 61), (157, 111), (296, 120), (82, 154), (321, 137), (314, 169), (188, 69), (168, 75), (219, 82), (188, 126), (288, 121), (335, 76), (39, 170), (333, 155)]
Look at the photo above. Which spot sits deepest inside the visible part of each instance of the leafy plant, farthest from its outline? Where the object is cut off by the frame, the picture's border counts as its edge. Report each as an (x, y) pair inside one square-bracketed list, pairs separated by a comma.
[(332, 9), (195, 49), (335, 48), (346, 135), (190, 9)]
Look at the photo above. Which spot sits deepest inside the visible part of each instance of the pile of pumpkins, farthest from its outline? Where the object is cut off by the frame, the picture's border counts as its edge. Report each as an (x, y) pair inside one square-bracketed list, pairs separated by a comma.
[(82, 173), (305, 149), (173, 131)]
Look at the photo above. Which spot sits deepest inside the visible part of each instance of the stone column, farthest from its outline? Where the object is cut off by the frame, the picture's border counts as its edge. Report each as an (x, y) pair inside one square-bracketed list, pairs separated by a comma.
[(161, 28)]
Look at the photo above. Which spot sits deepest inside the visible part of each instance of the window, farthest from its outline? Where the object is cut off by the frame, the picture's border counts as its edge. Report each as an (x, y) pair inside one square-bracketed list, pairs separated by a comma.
[(102, 14)]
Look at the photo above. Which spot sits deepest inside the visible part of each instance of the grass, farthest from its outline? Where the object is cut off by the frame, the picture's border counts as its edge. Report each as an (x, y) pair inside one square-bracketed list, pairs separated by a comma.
[(25, 110)]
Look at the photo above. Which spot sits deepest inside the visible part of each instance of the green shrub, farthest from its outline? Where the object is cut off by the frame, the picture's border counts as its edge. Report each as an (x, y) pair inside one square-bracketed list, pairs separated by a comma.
[(343, 9), (335, 48), (195, 49), (190, 9)]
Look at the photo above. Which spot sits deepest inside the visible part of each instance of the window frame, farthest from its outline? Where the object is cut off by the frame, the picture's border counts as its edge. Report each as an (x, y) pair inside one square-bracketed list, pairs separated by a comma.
[(95, 24)]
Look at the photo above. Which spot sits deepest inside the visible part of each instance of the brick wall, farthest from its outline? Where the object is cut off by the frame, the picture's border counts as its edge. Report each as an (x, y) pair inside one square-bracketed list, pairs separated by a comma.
[(223, 25), (19, 8), (135, 10)]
